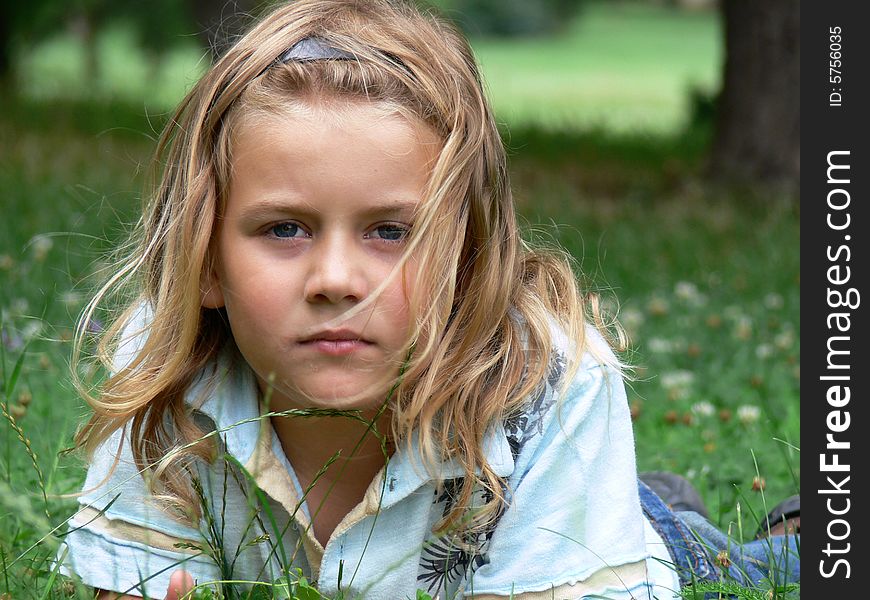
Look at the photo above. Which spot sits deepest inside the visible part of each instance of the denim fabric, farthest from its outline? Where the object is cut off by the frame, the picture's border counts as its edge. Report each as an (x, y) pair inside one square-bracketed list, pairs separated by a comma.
[(695, 546), (751, 562)]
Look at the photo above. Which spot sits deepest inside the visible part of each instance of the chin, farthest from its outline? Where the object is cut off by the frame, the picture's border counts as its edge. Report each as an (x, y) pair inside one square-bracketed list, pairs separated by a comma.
[(342, 396), (348, 401)]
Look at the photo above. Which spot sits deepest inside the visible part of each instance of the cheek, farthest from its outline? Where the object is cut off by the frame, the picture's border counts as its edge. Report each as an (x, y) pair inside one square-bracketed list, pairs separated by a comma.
[(391, 308), (251, 295)]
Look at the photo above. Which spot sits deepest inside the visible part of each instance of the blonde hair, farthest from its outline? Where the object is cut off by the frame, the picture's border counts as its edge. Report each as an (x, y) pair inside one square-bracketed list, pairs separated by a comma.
[(484, 303)]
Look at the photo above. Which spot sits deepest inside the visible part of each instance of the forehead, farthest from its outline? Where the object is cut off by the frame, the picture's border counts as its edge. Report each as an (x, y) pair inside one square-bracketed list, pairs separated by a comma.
[(359, 151), (348, 116)]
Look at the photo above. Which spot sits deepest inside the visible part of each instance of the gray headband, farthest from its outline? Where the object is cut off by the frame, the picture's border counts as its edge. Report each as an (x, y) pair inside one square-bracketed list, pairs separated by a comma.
[(313, 48)]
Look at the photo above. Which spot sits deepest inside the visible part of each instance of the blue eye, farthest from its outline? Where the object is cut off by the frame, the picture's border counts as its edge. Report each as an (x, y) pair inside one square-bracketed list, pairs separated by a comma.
[(391, 232), (285, 230)]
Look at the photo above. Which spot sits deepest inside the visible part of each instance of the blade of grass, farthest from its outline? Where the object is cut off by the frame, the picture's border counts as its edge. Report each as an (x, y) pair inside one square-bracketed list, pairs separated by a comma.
[(16, 372), (28, 448), (5, 568), (53, 575), (264, 502)]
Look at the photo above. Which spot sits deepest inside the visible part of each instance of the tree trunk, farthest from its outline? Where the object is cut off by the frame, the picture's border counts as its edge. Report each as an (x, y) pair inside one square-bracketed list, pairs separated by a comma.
[(757, 137), (7, 79), (85, 27), (221, 23)]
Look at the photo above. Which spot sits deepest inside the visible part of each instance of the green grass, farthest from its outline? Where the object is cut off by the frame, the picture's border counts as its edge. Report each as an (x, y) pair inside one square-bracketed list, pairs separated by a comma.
[(625, 67), (707, 279)]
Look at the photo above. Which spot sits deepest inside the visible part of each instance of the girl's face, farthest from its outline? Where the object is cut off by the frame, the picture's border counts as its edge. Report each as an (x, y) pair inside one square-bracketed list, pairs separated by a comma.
[(318, 207)]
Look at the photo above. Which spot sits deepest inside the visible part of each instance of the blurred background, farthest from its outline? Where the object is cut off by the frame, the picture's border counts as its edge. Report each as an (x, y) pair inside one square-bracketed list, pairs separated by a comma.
[(656, 140)]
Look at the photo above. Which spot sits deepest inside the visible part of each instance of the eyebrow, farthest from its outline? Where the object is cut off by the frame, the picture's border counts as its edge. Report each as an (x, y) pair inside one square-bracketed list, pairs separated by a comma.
[(269, 207)]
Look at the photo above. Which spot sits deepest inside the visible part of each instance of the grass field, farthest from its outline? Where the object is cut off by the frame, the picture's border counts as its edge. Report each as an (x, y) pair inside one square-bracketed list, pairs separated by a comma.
[(707, 280), (621, 66)]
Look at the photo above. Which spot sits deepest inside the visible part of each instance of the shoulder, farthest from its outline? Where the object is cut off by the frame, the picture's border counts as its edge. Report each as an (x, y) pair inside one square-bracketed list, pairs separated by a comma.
[(576, 388), (121, 531), (572, 501), (224, 390)]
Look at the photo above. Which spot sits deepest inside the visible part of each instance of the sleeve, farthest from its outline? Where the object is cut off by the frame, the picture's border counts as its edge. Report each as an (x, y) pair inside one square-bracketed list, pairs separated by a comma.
[(573, 525), (121, 540)]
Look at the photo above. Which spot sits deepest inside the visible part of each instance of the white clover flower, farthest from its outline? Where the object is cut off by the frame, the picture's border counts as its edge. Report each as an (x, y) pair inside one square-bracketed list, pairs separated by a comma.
[(703, 409), (688, 293), (678, 384), (41, 245), (743, 328), (784, 340), (658, 306), (660, 345), (18, 306), (685, 290), (71, 298), (31, 329), (678, 393), (631, 318), (764, 351), (677, 379), (694, 474), (773, 301), (748, 414)]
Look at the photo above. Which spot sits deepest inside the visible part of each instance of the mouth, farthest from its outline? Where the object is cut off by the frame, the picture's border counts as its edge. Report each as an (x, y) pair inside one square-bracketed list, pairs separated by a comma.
[(334, 335), (338, 342)]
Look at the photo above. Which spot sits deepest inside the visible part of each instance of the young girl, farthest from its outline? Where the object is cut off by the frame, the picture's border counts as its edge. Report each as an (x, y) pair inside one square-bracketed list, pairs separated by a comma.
[(342, 362)]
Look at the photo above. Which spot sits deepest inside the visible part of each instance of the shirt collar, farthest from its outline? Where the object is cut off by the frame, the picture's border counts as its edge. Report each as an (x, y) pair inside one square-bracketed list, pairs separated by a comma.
[(227, 393), (406, 471)]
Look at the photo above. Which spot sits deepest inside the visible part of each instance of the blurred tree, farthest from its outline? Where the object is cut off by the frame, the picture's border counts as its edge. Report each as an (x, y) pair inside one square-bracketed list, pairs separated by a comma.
[(22, 23), (757, 131), (220, 23), (508, 17), (7, 17), (159, 23)]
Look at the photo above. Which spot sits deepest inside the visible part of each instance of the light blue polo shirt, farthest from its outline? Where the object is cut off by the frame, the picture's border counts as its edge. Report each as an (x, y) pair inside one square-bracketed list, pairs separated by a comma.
[(573, 525)]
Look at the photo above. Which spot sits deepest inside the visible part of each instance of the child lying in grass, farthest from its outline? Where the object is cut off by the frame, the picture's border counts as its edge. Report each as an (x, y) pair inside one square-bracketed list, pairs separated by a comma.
[(340, 360)]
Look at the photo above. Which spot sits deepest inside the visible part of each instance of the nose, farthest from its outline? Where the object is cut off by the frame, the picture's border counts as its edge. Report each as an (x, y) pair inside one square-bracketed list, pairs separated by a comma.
[(336, 273)]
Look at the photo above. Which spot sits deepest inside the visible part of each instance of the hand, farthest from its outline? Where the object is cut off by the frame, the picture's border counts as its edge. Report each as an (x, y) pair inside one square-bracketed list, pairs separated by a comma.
[(179, 584)]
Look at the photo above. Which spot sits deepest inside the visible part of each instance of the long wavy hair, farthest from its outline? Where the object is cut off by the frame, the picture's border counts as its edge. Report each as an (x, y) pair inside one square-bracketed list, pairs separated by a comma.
[(484, 304)]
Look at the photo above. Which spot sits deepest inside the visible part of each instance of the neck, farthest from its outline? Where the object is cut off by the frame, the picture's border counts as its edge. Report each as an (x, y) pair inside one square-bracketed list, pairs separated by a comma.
[(311, 443)]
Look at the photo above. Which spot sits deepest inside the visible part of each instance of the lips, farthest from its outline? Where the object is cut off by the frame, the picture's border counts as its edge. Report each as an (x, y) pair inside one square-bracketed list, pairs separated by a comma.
[(334, 335), (339, 342)]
